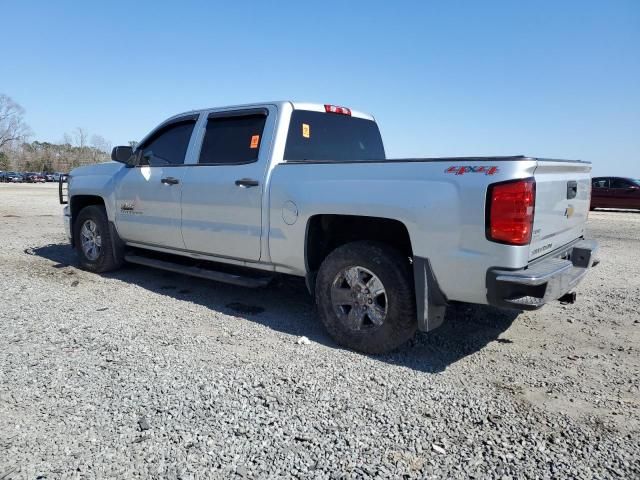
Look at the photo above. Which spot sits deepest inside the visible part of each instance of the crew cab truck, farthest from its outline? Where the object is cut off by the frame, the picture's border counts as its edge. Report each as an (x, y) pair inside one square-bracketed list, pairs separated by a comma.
[(239, 194)]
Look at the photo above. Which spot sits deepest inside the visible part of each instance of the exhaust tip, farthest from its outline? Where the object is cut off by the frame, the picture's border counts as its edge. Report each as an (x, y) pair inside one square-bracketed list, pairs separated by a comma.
[(567, 298)]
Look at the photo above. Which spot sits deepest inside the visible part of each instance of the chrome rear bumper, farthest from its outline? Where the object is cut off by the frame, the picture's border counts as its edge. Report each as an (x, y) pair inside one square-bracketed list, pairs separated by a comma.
[(542, 281)]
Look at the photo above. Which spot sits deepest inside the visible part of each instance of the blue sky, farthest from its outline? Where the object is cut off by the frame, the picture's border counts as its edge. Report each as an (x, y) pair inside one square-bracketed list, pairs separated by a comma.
[(443, 78)]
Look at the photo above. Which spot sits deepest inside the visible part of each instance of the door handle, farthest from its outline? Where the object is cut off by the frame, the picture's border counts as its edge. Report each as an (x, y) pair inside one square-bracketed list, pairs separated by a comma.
[(247, 182), (170, 181)]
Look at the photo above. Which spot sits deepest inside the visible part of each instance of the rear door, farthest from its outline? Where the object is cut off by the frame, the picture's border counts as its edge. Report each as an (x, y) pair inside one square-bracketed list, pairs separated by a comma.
[(563, 192), (222, 191), (148, 195)]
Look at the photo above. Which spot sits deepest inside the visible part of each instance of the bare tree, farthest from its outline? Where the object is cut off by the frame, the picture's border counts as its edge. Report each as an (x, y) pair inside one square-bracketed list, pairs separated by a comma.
[(13, 128), (80, 136), (100, 143)]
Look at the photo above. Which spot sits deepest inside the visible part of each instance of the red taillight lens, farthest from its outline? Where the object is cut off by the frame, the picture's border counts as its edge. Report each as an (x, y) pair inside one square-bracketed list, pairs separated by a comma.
[(336, 109), (510, 209)]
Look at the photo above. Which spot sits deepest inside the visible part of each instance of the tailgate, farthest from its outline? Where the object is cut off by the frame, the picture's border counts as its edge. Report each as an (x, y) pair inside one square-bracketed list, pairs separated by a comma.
[(563, 196)]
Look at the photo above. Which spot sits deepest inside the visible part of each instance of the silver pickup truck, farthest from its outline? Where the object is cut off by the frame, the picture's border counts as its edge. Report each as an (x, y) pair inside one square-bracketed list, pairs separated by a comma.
[(240, 194)]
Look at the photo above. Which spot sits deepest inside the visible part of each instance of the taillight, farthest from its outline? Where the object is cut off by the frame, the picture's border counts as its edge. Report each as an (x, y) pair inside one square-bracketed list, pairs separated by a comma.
[(510, 207), (336, 109)]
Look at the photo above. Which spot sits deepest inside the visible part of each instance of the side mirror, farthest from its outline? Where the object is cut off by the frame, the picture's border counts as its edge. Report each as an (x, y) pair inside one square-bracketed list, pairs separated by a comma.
[(121, 154)]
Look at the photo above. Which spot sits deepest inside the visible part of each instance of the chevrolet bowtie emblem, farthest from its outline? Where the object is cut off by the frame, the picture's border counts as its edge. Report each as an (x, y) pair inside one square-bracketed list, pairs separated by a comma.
[(568, 212)]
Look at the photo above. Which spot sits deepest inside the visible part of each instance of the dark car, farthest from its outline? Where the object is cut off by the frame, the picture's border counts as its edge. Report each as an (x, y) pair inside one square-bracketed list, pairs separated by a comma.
[(615, 192), (12, 177)]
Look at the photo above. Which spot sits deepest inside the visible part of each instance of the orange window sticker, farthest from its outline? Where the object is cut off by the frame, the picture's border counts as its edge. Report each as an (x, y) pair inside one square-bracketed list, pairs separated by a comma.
[(306, 130), (255, 140)]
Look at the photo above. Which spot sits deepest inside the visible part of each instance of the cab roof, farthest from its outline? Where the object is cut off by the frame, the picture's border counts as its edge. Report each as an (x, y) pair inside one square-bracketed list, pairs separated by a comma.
[(314, 107)]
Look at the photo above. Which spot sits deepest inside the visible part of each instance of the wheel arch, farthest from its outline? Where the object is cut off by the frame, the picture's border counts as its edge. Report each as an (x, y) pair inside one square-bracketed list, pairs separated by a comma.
[(326, 232)]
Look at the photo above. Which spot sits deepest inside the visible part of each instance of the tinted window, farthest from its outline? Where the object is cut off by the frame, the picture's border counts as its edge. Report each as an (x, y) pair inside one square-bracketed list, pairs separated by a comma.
[(620, 183), (600, 183), (168, 146), (232, 139), (329, 136)]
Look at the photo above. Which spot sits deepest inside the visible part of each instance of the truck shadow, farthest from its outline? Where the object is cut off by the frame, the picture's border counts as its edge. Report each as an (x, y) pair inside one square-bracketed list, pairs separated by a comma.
[(286, 306)]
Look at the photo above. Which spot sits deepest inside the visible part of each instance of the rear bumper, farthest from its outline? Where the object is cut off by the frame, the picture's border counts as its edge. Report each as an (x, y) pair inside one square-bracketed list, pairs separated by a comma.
[(542, 281)]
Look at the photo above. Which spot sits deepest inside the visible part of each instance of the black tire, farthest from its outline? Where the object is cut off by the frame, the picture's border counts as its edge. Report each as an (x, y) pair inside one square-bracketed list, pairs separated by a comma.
[(394, 271), (110, 256)]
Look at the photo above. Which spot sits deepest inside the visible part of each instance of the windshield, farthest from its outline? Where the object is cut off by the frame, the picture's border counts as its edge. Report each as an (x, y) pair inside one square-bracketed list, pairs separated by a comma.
[(636, 181), (328, 136)]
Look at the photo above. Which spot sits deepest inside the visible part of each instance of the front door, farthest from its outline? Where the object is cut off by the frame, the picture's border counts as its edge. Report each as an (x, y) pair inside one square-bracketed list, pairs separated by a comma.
[(148, 195), (624, 193), (222, 192)]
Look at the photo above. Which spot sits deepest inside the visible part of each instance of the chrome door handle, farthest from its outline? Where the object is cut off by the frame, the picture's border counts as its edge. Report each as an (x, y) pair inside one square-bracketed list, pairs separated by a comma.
[(247, 182), (170, 181)]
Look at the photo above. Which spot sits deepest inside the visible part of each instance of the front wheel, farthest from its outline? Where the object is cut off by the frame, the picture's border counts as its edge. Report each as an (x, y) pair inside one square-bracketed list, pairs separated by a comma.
[(365, 297), (94, 242)]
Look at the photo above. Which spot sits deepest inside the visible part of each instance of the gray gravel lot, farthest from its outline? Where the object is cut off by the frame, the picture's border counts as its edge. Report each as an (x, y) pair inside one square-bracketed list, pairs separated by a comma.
[(144, 374)]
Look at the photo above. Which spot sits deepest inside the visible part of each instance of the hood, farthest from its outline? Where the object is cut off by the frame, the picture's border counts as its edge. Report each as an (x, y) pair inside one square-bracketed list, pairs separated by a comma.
[(107, 168)]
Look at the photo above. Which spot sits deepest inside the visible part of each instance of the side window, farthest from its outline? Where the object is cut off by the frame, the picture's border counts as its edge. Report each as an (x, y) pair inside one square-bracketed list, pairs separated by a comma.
[(620, 183), (600, 183), (168, 146), (234, 139)]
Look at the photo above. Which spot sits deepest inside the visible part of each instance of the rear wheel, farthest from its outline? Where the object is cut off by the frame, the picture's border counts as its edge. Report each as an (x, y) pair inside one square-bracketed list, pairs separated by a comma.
[(94, 242), (365, 297)]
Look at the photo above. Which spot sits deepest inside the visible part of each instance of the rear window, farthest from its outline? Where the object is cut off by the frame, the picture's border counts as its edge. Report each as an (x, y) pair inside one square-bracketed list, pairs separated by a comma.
[(327, 136)]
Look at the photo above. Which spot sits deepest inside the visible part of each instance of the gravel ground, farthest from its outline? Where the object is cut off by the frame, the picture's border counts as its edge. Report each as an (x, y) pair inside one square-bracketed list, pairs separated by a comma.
[(141, 373)]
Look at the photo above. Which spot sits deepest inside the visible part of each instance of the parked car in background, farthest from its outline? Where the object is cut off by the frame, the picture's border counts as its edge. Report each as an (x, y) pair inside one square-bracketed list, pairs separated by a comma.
[(33, 177), (615, 192), (12, 177), (49, 177), (57, 175)]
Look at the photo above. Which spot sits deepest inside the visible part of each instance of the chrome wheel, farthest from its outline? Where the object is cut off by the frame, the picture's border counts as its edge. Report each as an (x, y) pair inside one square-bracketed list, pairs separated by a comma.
[(359, 298), (91, 240)]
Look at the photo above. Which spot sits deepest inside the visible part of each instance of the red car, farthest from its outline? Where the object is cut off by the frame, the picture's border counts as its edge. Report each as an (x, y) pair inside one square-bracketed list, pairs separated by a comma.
[(615, 192), (35, 178)]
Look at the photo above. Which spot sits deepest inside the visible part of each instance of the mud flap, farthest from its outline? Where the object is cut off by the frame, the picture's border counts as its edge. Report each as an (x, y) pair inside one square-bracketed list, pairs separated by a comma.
[(117, 244), (430, 301)]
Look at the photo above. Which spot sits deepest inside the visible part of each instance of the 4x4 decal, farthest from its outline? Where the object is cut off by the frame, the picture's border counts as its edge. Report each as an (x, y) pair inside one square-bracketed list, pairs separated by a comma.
[(487, 170)]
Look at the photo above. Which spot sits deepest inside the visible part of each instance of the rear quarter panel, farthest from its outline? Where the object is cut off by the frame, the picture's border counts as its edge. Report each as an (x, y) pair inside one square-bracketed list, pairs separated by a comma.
[(444, 213)]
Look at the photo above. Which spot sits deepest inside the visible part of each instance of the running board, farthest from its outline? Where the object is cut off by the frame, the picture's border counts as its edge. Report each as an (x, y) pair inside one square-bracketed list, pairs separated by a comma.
[(242, 281)]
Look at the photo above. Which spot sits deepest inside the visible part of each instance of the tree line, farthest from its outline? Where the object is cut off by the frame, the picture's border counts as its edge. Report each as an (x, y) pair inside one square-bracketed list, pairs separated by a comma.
[(20, 154)]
